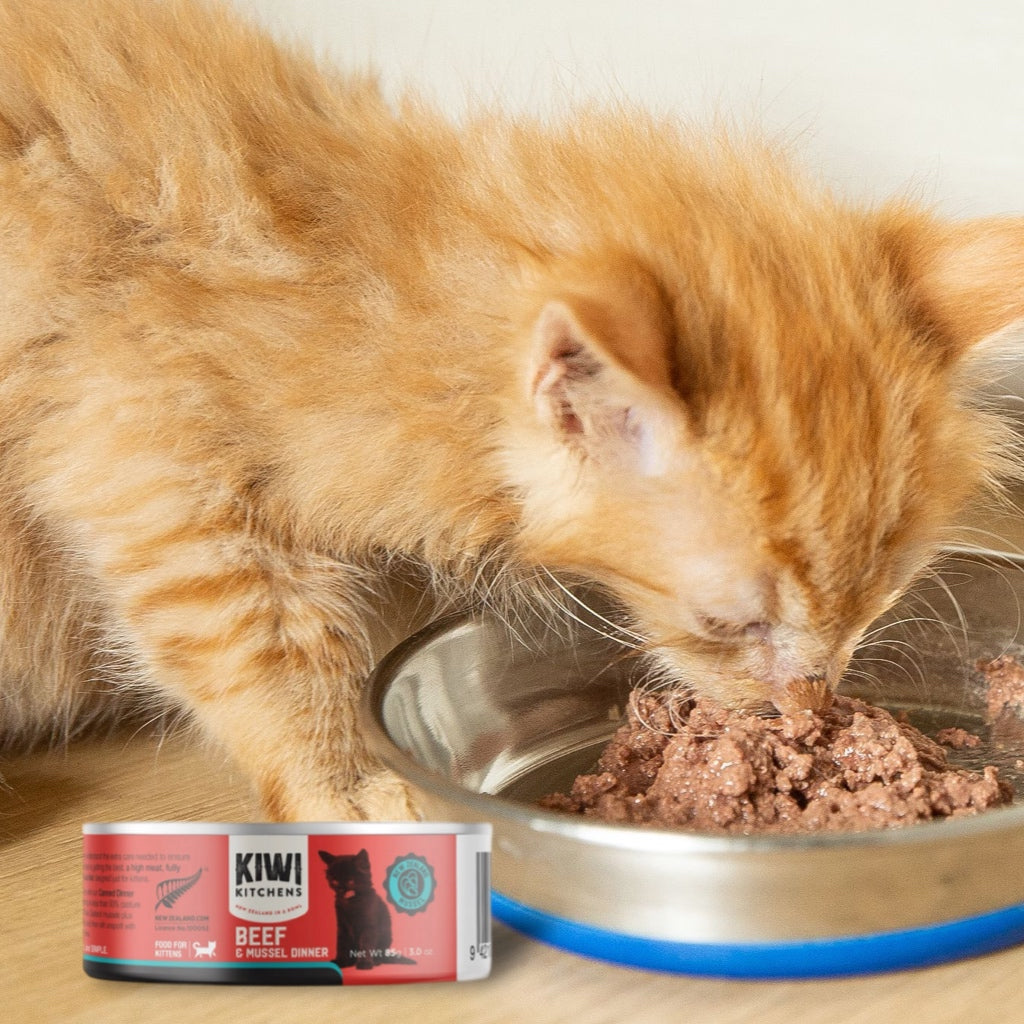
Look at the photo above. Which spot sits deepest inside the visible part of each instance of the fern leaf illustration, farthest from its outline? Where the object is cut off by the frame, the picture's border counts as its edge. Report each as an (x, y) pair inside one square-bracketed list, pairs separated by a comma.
[(170, 891)]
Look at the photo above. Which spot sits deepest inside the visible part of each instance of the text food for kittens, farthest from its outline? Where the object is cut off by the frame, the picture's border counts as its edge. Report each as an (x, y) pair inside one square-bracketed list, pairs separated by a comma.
[(299, 904)]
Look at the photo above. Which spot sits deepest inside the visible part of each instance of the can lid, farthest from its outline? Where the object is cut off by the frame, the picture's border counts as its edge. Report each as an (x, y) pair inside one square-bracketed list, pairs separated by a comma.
[(358, 828)]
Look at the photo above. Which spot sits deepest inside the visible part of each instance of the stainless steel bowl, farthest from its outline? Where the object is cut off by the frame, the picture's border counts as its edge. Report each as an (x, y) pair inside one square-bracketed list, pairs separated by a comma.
[(484, 719)]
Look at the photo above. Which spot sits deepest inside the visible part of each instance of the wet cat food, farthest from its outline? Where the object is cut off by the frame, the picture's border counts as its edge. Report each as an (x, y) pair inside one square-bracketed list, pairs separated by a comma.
[(313, 904), (692, 764), (1004, 687), (1003, 680)]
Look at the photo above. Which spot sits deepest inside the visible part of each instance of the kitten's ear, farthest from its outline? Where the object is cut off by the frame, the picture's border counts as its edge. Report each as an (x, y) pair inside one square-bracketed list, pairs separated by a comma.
[(327, 858), (601, 382), (965, 280)]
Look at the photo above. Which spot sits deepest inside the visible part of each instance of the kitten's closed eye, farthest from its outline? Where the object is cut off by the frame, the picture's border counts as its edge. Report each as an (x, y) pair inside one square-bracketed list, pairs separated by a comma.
[(758, 630)]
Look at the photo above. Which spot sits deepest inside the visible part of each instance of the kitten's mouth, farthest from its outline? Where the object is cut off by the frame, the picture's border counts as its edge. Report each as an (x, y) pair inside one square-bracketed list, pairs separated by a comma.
[(766, 694), (769, 700), (785, 696), (804, 693)]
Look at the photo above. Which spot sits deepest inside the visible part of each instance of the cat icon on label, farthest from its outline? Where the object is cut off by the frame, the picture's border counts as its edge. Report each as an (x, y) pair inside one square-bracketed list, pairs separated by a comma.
[(364, 921)]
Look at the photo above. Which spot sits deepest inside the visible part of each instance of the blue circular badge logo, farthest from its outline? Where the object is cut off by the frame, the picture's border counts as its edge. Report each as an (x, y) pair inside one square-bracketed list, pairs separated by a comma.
[(410, 884)]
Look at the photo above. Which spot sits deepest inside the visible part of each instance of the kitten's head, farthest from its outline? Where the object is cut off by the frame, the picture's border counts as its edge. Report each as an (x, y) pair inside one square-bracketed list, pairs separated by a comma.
[(754, 426), (348, 874)]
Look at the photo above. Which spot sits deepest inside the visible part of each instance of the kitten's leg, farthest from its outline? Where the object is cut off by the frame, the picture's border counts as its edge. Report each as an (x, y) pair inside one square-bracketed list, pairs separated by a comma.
[(266, 646), (270, 652), (345, 940), (275, 674)]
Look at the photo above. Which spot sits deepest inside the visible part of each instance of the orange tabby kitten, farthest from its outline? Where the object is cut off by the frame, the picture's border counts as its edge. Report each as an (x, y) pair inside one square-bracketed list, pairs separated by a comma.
[(265, 338)]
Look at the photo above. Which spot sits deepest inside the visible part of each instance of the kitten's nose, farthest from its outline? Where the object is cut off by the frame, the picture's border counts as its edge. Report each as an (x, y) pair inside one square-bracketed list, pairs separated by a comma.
[(803, 693)]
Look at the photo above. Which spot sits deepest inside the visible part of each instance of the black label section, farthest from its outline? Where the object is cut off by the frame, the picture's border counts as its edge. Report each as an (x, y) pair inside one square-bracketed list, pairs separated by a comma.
[(298, 975)]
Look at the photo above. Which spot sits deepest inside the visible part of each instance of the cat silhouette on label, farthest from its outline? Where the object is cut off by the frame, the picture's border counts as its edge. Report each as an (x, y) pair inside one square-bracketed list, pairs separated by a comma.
[(364, 921), (273, 346)]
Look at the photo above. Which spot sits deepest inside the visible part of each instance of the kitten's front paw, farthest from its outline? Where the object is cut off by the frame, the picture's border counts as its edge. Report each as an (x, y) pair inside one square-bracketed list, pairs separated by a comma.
[(378, 796), (383, 796)]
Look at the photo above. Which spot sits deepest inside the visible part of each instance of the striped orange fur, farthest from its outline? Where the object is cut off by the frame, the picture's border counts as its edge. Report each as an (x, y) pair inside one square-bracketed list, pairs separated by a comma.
[(268, 338)]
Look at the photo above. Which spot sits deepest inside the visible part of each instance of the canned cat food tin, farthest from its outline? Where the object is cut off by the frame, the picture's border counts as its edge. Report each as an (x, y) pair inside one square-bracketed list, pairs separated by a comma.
[(299, 904)]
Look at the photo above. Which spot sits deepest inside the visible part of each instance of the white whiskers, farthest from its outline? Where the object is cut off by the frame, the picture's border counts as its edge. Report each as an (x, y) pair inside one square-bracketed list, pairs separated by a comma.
[(617, 633)]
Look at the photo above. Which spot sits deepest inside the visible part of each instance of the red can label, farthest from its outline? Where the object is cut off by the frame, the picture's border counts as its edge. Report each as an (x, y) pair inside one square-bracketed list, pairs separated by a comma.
[(279, 905)]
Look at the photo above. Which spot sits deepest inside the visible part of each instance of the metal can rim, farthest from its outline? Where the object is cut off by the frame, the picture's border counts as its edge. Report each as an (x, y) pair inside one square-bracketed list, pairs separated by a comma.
[(290, 828)]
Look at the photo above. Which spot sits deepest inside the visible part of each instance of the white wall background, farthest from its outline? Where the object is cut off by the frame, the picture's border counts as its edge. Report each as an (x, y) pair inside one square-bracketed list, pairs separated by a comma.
[(879, 95)]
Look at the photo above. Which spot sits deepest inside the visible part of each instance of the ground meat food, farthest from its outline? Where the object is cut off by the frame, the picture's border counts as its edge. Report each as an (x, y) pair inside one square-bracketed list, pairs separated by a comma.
[(1004, 699), (956, 738), (1004, 682), (695, 765)]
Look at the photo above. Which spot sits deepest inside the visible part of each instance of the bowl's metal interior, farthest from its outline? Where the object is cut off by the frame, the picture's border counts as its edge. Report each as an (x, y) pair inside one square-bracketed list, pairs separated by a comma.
[(484, 720)]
